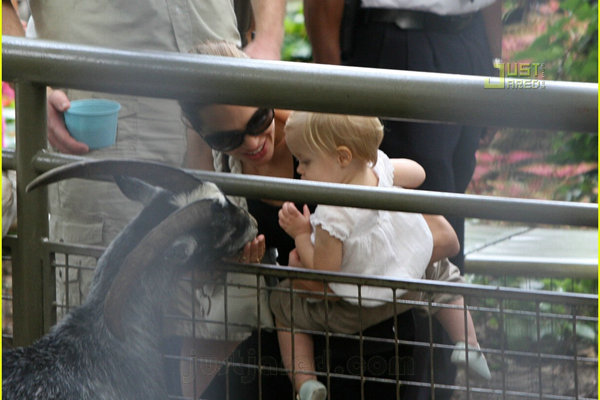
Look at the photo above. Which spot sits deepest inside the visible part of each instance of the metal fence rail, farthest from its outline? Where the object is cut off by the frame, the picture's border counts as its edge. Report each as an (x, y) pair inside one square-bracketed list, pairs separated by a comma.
[(493, 208), (325, 88)]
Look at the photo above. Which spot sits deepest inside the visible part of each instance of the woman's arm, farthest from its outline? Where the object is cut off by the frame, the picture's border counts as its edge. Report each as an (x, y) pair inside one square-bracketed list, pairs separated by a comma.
[(407, 173), (445, 241)]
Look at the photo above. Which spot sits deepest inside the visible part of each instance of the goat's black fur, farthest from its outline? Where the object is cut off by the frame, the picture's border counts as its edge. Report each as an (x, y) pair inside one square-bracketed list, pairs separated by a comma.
[(82, 358)]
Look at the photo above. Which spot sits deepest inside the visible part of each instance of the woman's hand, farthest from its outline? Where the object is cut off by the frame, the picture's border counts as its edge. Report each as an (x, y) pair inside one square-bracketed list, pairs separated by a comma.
[(253, 251), (58, 135)]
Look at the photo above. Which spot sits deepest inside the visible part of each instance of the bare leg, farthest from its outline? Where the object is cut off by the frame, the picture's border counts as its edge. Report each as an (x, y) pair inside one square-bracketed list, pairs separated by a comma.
[(302, 358), (453, 321), (200, 373)]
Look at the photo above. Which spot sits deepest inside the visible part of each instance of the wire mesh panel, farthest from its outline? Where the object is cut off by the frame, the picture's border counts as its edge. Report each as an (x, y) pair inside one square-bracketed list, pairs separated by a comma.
[(7, 295), (538, 344)]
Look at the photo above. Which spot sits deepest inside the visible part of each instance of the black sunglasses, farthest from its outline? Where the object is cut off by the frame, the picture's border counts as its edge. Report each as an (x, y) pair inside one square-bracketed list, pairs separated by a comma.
[(230, 140)]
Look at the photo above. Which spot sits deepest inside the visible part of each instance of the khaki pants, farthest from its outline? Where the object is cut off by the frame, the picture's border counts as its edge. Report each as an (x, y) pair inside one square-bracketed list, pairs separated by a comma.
[(344, 317)]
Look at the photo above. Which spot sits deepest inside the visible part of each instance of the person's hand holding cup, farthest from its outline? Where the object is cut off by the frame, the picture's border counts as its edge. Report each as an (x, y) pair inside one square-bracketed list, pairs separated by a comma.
[(82, 125)]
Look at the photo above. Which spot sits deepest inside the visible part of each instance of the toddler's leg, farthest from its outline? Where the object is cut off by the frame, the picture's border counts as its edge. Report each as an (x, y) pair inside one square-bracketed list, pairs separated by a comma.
[(453, 320), (305, 383)]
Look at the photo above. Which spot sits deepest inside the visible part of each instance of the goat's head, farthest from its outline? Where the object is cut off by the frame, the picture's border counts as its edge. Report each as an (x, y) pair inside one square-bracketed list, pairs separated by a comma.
[(184, 219)]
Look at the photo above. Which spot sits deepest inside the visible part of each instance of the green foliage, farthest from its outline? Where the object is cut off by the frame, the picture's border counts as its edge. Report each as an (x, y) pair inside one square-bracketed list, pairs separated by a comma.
[(296, 46), (519, 325), (569, 51), (571, 285), (576, 146), (569, 47)]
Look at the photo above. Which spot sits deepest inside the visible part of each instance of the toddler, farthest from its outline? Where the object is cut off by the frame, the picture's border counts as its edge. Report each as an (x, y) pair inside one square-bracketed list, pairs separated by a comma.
[(344, 149)]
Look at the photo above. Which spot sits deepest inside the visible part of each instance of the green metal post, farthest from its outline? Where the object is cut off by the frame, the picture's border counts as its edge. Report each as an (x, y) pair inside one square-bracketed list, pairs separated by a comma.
[(32, 216)]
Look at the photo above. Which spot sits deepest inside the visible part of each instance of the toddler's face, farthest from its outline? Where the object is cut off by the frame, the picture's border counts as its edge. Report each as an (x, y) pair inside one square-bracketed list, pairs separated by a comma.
[(313, 165)]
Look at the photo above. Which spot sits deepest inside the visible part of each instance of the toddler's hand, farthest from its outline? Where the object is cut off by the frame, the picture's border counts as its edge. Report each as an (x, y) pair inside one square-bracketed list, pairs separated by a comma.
[(292, 221)]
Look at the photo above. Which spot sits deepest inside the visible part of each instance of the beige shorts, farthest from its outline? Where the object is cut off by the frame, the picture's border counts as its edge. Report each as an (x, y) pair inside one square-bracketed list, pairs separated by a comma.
[(344, 317)]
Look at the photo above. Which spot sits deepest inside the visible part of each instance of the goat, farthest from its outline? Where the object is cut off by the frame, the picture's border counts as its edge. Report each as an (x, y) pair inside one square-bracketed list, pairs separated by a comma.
[(108, 348)]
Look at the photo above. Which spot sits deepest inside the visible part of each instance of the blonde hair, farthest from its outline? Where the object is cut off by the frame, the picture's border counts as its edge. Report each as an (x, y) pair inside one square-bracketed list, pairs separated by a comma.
[(219, 48), (210, 48), (325, 132)]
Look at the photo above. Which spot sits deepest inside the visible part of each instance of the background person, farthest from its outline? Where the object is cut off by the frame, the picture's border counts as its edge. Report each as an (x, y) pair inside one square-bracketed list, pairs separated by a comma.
[(148, 128)]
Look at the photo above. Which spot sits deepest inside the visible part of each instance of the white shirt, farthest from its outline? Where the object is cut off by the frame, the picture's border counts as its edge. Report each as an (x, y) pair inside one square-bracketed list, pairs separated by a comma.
[(377, 242), (441, 7)]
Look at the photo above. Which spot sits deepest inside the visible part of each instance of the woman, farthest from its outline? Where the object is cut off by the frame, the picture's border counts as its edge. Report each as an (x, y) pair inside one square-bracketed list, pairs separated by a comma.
[(251, 140)]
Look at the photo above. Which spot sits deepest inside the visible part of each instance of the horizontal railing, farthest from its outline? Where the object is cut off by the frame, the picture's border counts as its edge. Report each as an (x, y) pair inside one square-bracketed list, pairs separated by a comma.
[(325, 88), (475, 206)]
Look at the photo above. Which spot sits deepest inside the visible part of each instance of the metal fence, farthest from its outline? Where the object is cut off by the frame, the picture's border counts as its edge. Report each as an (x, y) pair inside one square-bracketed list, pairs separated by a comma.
[(538, 344)]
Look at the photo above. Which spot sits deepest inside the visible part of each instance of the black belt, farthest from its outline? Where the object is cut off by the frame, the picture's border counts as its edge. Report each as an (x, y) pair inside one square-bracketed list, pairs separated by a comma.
[(416, 20)]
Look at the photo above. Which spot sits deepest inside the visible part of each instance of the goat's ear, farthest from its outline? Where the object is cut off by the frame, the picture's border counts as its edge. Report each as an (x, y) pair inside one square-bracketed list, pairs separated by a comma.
[(137, 190)]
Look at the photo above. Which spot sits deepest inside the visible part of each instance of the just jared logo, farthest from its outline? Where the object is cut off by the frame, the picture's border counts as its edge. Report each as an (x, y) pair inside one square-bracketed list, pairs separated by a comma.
[(517, 76)]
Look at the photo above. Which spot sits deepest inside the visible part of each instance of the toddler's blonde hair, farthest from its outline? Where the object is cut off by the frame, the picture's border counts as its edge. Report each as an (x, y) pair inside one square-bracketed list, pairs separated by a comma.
[(219, 48), (325, 132)]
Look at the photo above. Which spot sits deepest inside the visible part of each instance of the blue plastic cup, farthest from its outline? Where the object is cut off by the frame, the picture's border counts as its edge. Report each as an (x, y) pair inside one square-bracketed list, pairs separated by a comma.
[(93, 122)]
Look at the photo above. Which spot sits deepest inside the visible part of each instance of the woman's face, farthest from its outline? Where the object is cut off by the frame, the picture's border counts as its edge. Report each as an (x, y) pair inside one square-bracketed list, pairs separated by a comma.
[(253, 126)]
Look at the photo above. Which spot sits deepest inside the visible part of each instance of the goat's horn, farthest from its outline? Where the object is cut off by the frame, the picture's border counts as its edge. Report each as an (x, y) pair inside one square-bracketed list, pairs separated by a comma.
[(167, 177), (185, 219), (136, 189)]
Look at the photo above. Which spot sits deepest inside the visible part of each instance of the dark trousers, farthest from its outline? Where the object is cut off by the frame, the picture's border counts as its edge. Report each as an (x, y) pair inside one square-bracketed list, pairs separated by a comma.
[(446, 151), (343, 355), (378, 360)]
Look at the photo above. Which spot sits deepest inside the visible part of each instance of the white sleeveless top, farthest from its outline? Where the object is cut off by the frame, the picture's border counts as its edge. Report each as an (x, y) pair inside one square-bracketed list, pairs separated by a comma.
[(376, 242)]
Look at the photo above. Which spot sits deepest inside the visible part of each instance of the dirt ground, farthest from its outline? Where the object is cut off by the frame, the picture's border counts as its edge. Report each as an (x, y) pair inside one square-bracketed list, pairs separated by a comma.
[(522, 379)]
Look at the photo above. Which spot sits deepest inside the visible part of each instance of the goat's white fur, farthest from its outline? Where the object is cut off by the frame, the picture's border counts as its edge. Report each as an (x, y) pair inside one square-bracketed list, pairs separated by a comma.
[(207, 191)]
